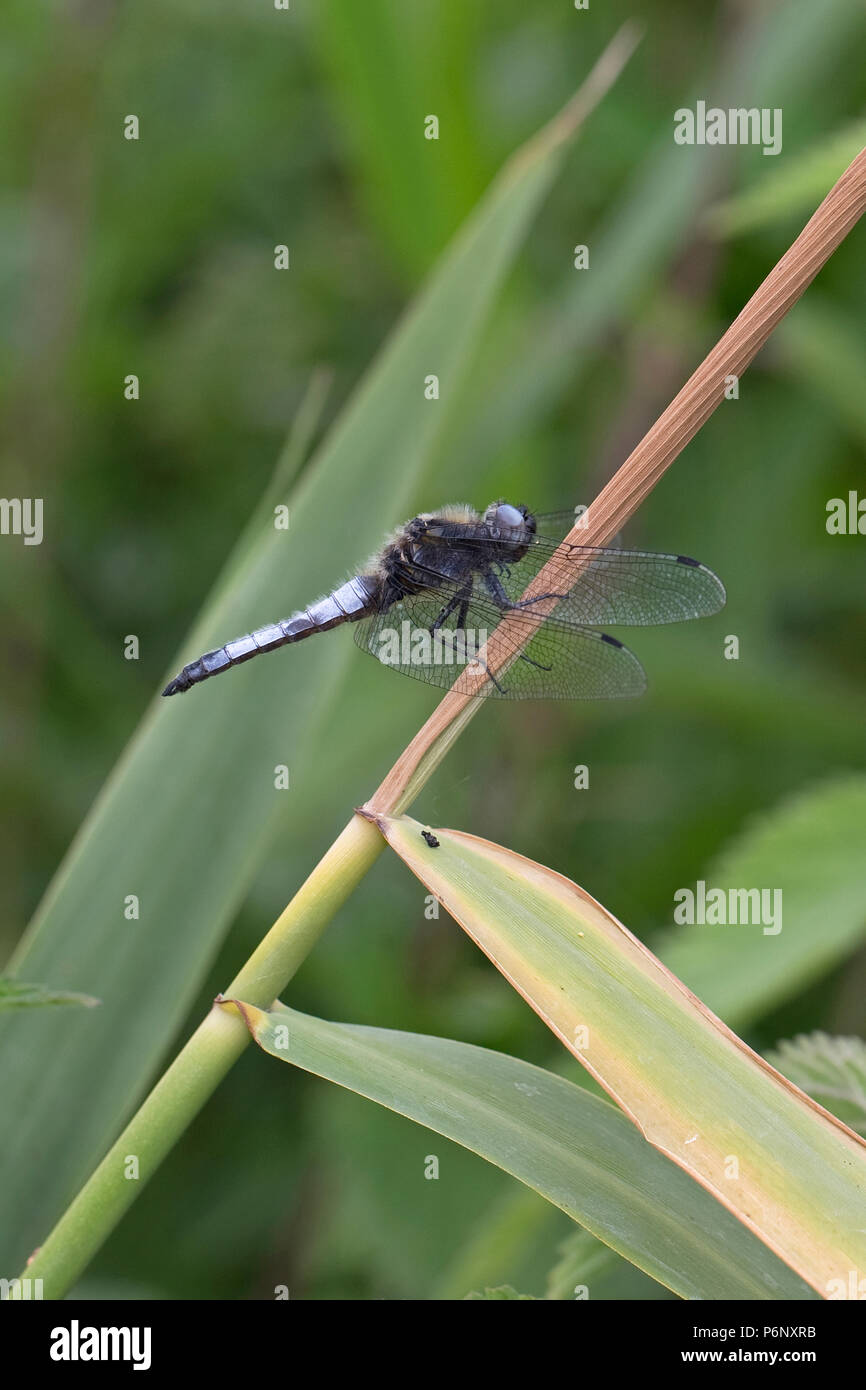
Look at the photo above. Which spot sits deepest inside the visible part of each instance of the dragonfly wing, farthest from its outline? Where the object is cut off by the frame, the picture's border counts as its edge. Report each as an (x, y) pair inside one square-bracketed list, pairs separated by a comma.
[(634, 588), (562, 661), (558, 661)]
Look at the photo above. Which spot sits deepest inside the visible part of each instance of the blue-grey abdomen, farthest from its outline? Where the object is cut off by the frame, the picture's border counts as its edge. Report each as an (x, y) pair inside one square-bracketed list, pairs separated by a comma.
[(353, 600)]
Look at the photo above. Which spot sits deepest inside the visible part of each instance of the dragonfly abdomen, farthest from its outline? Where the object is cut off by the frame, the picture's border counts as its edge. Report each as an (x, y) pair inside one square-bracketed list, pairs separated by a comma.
[(353, 600)]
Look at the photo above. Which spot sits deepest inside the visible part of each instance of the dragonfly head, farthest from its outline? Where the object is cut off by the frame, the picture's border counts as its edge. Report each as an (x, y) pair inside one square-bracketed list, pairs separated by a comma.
[(513, 526)]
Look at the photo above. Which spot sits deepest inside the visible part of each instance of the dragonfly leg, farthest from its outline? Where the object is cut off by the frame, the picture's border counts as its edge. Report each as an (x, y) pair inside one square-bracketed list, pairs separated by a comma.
[(500, 597), (537, 664), (498, 593), (490, 676), (528, 602), (461, 599)]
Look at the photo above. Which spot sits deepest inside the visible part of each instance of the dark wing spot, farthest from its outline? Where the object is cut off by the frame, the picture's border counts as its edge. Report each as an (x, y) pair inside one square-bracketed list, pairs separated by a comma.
[(687, 560), (612, 640)]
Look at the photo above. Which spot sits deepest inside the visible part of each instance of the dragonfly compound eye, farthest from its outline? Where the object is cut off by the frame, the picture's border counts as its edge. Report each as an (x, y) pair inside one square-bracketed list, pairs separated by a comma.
[(508, 517)]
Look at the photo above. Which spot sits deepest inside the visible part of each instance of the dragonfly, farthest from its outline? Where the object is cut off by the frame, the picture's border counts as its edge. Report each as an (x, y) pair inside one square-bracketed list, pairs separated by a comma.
[(427, 602)]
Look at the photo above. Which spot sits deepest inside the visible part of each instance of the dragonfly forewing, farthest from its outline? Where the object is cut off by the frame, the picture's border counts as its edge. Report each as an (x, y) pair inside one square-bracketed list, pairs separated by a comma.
[(628, 588)]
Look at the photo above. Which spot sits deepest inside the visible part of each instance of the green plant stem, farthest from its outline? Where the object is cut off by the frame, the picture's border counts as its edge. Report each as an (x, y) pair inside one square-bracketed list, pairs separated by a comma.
[(196, 1072)]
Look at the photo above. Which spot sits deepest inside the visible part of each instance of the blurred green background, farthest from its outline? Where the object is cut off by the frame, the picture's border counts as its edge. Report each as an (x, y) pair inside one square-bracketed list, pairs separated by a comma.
[(156, 257)]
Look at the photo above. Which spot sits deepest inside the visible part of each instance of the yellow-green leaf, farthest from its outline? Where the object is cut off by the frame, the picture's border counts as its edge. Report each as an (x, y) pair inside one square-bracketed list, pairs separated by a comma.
[(786, 1168)]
